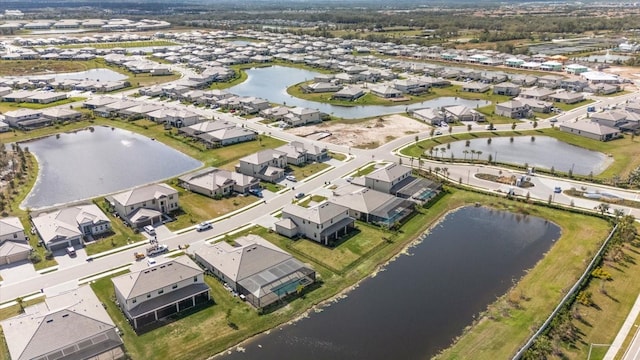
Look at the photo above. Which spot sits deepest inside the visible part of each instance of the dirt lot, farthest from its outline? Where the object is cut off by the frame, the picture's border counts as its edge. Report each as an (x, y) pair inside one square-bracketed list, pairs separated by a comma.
[(368, 134)]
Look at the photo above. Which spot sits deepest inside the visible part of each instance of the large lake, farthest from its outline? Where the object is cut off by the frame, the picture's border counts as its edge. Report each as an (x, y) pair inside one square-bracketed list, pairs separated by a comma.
[(423, 301), (86, 164), (271, 83), (543, 152)]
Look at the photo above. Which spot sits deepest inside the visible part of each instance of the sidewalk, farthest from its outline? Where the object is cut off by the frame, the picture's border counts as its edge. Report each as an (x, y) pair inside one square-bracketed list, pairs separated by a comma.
[(624, 331)]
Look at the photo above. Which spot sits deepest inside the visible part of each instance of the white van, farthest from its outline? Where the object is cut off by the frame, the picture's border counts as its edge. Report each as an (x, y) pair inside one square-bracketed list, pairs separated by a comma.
[(150, 230)]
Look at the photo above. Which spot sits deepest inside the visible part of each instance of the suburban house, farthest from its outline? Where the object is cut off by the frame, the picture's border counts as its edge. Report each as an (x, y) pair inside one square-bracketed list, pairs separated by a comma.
[(299, 153), (151, 293), (591, 130), (227, 136), (324, 223), (299, 116), (476, 87), (536, 93), (536, 105), (255, 268), (462, 113), (429, 115), (174, 117), (205, 127), (375, 207), (97, 102), (322, 87), (349, 93), (385, 91), (397, 180), (567, 97), (217, 182), (26, 119), (613, 119), (14, 244), (61, 114), (70, 226), (506, 88), (145, 205), (267, 165), (68, 325), (514, 109)]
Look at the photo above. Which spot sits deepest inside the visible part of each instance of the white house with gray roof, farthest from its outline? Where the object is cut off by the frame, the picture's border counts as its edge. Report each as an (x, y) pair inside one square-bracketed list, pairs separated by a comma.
[(14, 244), (375, 207), (69, 226), (151, 293), (255, 268), (324, 223), (591, 130), (68, 325), (267, 165), (145, 205), (217, 182)]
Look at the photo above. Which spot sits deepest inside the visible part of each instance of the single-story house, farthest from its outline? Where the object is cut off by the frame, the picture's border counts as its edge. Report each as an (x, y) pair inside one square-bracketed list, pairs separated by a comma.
[(375, 207), (255, 268), (476, 87), (349, 93), (567, 97), (462, 113), (68, 325), (429, 115), (14, 244), (591, 130), (506, 88), (212, 181)]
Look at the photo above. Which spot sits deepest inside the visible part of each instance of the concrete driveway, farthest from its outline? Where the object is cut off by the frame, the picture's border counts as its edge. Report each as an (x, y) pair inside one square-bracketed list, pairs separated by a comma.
[(17, 272), (66, 261)]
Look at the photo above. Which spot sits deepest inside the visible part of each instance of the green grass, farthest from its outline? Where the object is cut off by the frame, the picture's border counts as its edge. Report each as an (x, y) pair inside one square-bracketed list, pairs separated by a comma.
[(196, 208), (366, 170), (301, 172), (337, 156), (121, 235), (271, 186), (314, 198), (567, 107)]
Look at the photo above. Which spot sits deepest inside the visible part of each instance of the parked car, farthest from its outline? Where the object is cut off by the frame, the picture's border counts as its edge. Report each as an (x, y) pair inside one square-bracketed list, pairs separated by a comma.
[(291, 178), (557, 190), (438, 132), (299, 195), (150, 230), (71, 251), (204, 226)]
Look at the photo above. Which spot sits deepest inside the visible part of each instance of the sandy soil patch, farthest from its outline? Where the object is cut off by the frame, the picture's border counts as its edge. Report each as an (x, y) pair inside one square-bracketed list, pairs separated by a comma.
[(369, 134)]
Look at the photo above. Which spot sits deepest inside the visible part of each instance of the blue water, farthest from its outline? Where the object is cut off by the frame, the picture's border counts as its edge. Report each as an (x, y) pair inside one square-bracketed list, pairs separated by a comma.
[(86, 164), (271, 83)]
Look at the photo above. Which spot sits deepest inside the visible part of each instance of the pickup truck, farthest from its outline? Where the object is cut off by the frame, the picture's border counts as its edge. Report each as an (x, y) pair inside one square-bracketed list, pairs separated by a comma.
[(157, 249)]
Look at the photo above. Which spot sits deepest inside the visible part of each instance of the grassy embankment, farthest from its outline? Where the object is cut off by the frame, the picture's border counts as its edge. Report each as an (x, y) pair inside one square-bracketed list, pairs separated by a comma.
[(10, 106), (623, 151), (229, 320)]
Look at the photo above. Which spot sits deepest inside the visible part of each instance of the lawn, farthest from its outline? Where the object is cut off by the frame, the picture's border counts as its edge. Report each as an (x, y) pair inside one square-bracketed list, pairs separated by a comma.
[(301, 172), (274, 188), (567, 107), (32, 67), (197, 208), (340, 258), (127, 44), (313, 199), (337, 156), (366, 170), (122, 234)]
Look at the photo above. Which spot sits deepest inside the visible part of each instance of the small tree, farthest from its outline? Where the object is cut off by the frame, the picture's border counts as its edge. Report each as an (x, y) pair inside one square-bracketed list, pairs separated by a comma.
[(513, 125), (469, 127)]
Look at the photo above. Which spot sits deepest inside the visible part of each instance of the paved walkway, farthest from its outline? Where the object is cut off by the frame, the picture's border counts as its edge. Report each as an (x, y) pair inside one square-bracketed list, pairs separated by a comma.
[(622, 335)]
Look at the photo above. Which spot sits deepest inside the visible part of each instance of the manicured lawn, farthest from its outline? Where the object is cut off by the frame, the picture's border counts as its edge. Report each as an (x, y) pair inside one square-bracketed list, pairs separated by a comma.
[(316, 199), (271, 186), (121, 235), (301, 172), (567, 107), (339, 258), (366, 170), (338, 156), (197, 208)]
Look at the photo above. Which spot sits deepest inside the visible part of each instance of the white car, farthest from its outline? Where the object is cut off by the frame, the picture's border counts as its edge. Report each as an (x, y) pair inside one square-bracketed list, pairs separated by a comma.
[(291, 178), (151, 261), (204, 226), (438, 132)]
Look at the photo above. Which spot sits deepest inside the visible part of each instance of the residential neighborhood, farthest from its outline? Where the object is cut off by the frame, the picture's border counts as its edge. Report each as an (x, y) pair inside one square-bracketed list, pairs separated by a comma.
[(169, 188)]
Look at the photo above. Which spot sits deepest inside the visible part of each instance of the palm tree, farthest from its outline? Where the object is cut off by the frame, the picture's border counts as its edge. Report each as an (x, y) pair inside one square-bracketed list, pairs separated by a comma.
[(473, 152), (513, 125), (478, 153), (432, 131), (469, 127), (451, 129), (603, 207), (443, 150), (465, 152), (420, 163)]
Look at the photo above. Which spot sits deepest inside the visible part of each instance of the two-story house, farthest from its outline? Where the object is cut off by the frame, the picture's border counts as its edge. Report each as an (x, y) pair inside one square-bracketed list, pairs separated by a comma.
[(267, 165), (299, 116), (214, 182), (14, 244), (299, 153), (324, 223), (514, 109), (69, 226), (151, 293), (384, 179), (145, 205)]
